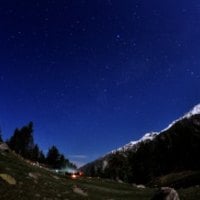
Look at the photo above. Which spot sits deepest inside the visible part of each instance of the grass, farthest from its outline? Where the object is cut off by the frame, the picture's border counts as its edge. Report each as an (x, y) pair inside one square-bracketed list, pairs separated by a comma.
[(104, 189), (184, 179), (34, 183), (192, 193)]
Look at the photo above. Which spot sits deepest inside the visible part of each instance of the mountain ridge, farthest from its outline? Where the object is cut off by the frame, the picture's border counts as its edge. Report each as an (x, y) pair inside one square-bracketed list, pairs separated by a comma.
[(163, 152), (151, 135)]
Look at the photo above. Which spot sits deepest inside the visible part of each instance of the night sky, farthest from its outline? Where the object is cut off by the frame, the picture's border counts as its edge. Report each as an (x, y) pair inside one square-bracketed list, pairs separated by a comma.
[(94, 74)]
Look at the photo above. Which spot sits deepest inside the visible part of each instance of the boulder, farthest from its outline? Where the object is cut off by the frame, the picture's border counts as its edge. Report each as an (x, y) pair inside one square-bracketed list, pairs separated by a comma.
[(79, 191), (4, 147), (141, 186), (166, 193), (34, 175), (9, 179)]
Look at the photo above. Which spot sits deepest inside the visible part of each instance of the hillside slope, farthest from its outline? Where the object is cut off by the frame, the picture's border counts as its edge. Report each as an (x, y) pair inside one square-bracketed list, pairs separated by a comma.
[(21, 180), (27, 182)]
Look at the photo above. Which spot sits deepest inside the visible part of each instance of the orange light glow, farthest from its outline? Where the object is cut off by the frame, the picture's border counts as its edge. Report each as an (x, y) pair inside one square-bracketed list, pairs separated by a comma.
[(73, 176)]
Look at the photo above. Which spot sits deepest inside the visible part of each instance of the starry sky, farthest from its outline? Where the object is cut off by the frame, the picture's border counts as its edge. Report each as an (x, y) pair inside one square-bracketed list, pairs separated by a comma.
[(93, 75)]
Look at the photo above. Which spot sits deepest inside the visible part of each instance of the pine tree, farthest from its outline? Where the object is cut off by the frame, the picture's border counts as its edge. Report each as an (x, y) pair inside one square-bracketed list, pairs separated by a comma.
[(35, 153), (22, 141), (63, 162), (41, 158), (14, 142), (53, 156), (56, 160)]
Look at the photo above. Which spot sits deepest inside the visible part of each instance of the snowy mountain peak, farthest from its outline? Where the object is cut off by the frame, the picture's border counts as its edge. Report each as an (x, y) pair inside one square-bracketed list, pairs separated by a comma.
[(152, 135), (194, 111)]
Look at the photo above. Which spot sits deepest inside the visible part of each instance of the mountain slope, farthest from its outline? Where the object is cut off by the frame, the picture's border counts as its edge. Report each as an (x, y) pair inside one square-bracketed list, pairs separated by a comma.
[(173, 149)]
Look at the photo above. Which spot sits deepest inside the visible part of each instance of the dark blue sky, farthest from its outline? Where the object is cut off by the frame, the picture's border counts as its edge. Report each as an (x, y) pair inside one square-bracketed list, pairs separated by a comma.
[(93, 75)]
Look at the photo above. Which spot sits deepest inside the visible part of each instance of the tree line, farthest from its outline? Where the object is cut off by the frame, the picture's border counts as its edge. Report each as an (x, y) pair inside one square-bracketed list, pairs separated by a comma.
[(22, 142)]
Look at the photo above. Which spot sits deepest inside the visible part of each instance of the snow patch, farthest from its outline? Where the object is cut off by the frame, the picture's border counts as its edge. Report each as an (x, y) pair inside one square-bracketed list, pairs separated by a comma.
[(132, 144), (194, 111)]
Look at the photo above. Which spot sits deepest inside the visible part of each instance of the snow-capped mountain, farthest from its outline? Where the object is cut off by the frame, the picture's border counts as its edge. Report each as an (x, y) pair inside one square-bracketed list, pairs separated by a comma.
[(187, 126), (150, 136), (194, 111)]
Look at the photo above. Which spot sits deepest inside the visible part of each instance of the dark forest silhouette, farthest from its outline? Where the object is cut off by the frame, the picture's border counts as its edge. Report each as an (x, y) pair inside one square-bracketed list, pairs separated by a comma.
[(22, 142), (174, 150)]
